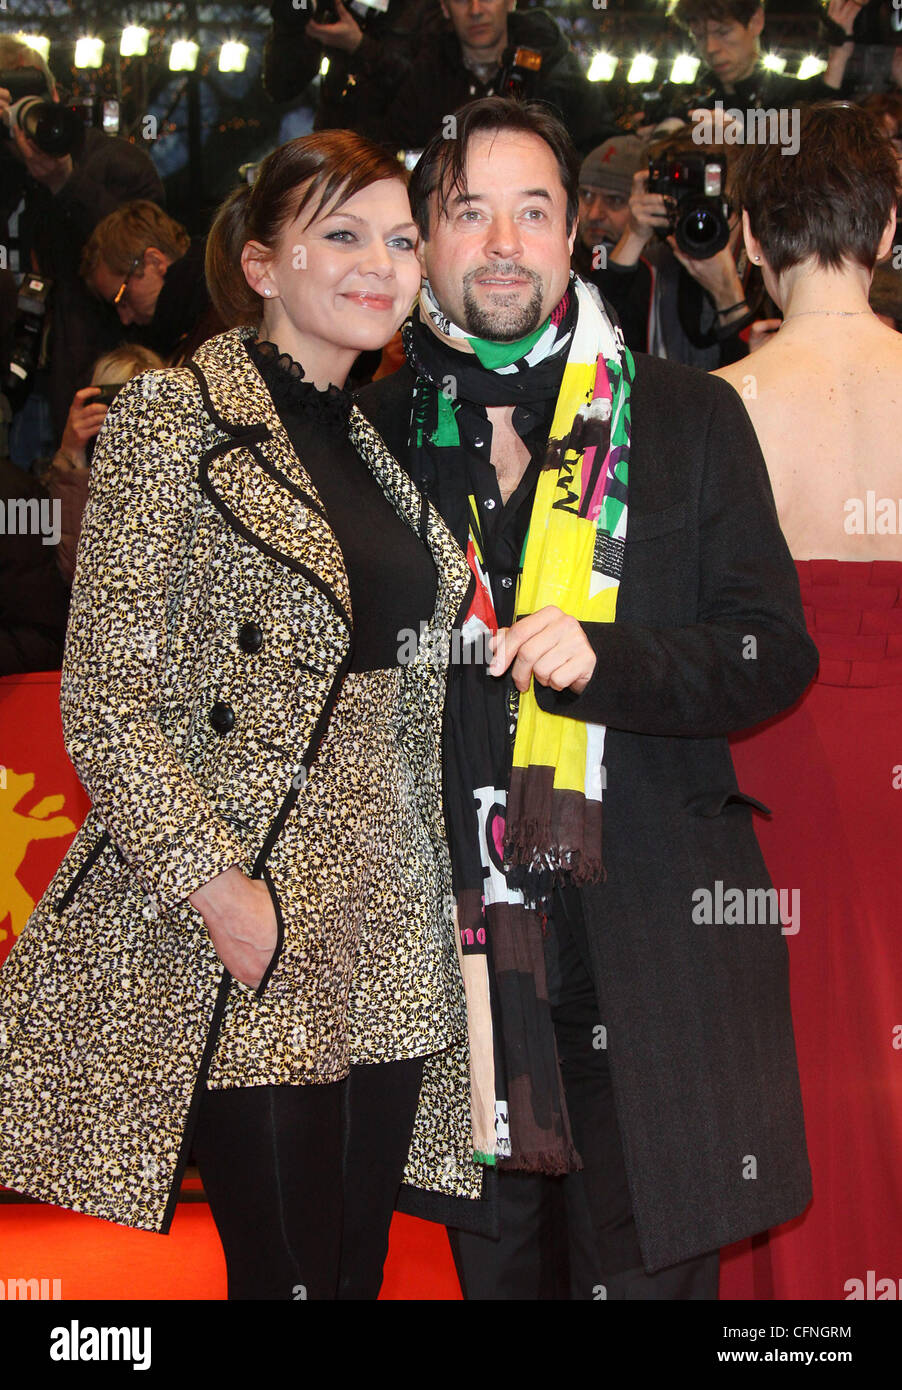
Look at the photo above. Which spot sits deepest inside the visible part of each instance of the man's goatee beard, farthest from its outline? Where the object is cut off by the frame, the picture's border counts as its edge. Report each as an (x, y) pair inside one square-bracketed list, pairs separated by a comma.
[(504, 323)]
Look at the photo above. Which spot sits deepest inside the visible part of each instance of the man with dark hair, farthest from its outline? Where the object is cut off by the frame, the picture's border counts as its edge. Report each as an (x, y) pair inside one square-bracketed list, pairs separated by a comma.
[(486, 47), (637, 1096), (727, 35)]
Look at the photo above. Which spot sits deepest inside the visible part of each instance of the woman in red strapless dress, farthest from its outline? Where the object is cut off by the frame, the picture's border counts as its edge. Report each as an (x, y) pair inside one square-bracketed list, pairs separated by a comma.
[(825, 396)]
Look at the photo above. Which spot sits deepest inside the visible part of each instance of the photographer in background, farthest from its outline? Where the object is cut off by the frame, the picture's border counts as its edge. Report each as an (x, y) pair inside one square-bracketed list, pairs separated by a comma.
[(488, 48), (49, 205), (694, 308), (605, 185), (145, 266), (369, 47), (727, 34)]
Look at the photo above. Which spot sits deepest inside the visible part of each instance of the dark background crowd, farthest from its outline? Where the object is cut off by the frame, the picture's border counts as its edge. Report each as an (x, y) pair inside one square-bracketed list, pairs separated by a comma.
[(109, 177)]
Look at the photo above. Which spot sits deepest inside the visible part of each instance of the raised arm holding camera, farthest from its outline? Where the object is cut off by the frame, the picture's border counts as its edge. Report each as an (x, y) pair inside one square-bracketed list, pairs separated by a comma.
[(369, 45)]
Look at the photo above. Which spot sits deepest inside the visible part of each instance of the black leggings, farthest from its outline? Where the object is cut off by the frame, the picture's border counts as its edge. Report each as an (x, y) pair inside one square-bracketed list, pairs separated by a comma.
[(302, 1180)]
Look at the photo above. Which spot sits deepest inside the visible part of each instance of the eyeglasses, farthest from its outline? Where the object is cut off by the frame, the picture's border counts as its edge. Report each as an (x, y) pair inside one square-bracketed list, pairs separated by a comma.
[(117, 297)]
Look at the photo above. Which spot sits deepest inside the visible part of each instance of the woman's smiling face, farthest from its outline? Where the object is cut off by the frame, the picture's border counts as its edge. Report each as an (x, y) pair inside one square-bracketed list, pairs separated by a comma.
[(347, 278)]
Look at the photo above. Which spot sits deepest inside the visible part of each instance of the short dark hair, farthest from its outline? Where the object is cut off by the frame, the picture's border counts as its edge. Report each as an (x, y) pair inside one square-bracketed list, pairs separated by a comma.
[(442, 166), (330, 166), (831, 200), (691, 12)]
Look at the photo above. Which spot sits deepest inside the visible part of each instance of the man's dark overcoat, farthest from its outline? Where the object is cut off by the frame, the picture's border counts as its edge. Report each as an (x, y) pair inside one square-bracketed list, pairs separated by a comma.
[(709, 638)]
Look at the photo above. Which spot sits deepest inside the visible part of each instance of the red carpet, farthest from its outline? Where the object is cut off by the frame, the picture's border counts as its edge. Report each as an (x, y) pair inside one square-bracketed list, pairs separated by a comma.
[(96, 1260)]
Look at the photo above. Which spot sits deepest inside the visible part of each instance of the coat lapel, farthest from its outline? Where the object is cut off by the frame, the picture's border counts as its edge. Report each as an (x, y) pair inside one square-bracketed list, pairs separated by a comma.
[(258, 482), (253, 475)]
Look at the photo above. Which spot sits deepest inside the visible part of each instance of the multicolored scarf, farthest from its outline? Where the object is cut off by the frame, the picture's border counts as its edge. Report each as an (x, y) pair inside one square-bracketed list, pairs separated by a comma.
[(509, 851)]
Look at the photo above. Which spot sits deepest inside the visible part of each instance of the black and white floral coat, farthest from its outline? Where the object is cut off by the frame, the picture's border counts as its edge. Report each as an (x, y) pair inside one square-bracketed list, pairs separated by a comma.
[(201, 521)]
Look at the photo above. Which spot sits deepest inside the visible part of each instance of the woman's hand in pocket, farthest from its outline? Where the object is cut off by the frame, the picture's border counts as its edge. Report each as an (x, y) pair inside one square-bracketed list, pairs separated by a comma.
[(239, 915)]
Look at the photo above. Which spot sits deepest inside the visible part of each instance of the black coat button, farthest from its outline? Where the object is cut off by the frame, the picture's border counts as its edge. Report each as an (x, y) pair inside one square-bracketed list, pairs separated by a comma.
[(250, 637), (222, 717)]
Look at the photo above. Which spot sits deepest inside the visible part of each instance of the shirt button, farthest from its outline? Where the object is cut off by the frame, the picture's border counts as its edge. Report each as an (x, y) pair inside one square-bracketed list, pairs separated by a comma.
[(506, 582), (489, 503)]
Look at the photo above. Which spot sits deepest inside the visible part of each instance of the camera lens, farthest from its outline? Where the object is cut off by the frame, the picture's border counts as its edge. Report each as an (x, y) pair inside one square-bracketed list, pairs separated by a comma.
[(53, 128), (702, 232)]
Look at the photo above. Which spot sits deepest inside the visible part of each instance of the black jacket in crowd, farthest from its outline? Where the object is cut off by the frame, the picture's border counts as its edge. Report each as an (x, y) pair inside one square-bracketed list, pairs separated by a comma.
[(107, 172), (183, 317), (34, 600), (439, 84), (358, 86), (761, 89), (699, 1030)]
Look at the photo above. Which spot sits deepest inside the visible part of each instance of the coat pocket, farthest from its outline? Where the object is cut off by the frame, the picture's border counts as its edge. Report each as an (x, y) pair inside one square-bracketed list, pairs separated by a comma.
[(711, 804), (87, 864), (280, 930)]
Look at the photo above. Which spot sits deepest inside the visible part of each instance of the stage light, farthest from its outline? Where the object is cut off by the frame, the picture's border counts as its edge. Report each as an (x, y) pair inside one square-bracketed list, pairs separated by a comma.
[(233, 56), (324, 67), (37, 42), (810, 67), (134, 40), (685, 67), (642, 68), (183, 55), (88, 53), (602, 67), (773, 62)]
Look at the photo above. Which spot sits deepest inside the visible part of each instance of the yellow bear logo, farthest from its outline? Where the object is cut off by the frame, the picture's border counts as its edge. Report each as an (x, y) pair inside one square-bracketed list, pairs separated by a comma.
[(16, 833)]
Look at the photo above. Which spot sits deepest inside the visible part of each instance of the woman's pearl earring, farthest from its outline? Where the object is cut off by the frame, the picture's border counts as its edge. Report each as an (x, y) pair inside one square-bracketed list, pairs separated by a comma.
[(267, 291)]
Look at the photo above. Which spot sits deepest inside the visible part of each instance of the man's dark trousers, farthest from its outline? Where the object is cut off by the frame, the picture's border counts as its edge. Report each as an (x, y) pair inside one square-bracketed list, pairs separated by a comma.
[(574, 1237)]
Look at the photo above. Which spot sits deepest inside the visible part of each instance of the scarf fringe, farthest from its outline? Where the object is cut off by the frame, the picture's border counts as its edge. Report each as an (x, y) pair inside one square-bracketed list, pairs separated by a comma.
[(552, 1163)]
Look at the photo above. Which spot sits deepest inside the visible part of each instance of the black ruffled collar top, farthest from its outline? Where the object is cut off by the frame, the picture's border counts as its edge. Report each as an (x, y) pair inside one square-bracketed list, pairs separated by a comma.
[(284, 378)]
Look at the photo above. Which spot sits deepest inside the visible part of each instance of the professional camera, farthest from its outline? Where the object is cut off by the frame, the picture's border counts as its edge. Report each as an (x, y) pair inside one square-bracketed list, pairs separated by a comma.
[(518, 76), (699, 212), (28, 330), (55, 128)]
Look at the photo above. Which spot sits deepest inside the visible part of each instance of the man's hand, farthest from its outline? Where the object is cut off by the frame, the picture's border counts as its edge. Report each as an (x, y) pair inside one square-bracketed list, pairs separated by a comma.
[(47, 169), (548, 645), (82, 423), (718, 275), (844, 13), (240, 917), (647, 210), (346, 35)]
